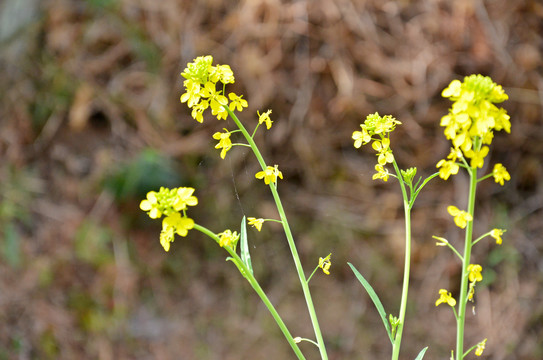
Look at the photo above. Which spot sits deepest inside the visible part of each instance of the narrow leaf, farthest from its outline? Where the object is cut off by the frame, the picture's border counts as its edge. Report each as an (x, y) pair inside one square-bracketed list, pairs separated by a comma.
[(421, 354), (375, 299), (244, 247)]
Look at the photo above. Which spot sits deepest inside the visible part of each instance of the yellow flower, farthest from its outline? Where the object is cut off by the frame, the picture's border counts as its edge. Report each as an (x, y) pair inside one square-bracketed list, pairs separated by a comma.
[(269, 175), (445, 297), (198, 110), (198, 70), (477, 157), (237, 102), (166, 237), (361, 137), (184, 197), (376, 124), (257, 223), (474, 272), (222, 73), (471, 291), (151, 205), (228, 238), (480, 348), (383, 150), (168, 201), (473, 117), (325, 263), (381, 173), (453, 89), (447, 168), (265, 118), (224, 142), (216, 99), (192, 96), (174, 224), (500, 174), (461, 217), (497, 234)]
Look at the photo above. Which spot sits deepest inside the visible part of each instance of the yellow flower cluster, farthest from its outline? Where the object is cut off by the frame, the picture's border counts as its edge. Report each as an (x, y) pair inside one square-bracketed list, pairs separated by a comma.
[(377, 128), (228, 238), (169, 202), (201, 89), (472, 120), (202, 79)]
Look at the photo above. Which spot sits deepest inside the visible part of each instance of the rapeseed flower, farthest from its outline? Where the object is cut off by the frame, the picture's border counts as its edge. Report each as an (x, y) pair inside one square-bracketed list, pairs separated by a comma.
[(378, 129), (201, 89), (500, 174), (381, 173), (236, 102), (480, 348), (228, 238), (150, 204), (265, 118), (325, 263), (474, 272), (257, 223), (269, 175), (461, 217), (497, 234), (361, 137), (472, 119), (445, 297), (167, 201), (224, 142), (174, 224)]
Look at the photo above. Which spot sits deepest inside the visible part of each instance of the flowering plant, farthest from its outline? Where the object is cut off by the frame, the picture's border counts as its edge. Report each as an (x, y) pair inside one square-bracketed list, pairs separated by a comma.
[(469, 126)]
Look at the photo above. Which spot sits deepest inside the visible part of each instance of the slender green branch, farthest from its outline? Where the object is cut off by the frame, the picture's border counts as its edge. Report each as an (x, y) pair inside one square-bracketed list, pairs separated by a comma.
[(467, 258), (414, 197), (407, 265), (290, 240), (254, 283), (480, 238), (310, 276)]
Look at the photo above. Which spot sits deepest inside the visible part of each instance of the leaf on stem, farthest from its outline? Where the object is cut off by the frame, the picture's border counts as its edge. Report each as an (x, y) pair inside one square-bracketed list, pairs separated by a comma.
[(421, 354), (374, 298), (244, 246)]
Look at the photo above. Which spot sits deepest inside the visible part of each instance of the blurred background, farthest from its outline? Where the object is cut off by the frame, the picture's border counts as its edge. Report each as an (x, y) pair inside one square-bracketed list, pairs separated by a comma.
[(90, 121)]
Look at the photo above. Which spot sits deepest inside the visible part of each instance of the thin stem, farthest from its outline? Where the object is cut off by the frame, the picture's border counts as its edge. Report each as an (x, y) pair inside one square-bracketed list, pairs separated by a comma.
[(467, 255), (256, 286), (407, 265), (290, 240)]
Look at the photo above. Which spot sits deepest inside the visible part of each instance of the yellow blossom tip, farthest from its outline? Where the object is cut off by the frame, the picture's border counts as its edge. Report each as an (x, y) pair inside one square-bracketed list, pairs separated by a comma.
[(257, 223), (325, 263), (445, 297)]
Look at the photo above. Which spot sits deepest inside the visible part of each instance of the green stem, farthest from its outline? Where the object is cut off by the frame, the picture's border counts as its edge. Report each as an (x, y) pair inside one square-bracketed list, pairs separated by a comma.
[(290, 240), (467, 255), (405, 287), (256, 286)]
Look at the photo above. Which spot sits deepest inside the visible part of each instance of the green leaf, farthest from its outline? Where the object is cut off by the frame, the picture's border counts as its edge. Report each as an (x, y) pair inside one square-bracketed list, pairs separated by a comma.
[(421, 354), (375, 299), (244, 247)]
